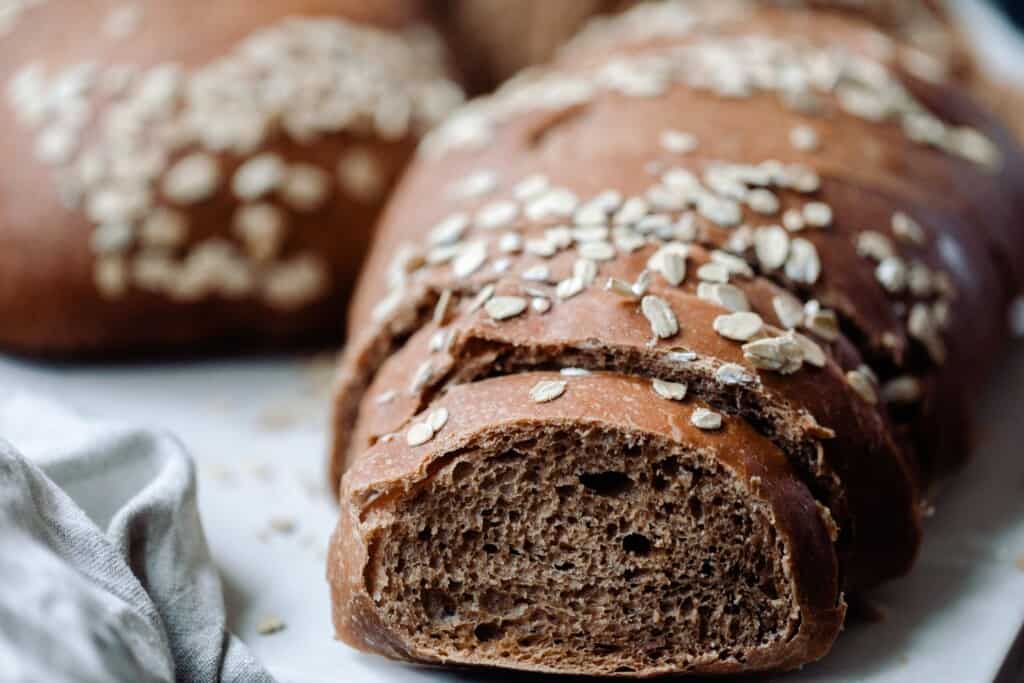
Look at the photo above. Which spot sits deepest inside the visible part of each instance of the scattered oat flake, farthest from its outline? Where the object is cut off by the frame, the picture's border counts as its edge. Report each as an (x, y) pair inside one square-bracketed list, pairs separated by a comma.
[(269, 624), (281, 417), (283, 525), (547, 390)]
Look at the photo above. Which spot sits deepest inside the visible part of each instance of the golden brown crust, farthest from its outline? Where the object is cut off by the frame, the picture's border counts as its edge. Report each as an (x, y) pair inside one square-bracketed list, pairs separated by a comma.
[(82, 276), (393, 470)]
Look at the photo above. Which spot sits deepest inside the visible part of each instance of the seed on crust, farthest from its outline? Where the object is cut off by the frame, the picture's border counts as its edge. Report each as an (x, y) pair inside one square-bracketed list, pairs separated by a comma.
[(862, 384), (821, 321), (817, 214), (505, 307), (771, 245), (547, 390), (892, 274), (922, 326), (660, 316), (804, 138), (803, 264), (258, 176), (673, 391), (678, 142), (471, 258), (731, 373), (788, 309), (782, 354), (705, 419), (419, 434), (438, 419), (727, 296), (907, 229), (670, 263), (481, 298), (902, 390), (742, 326), (714, 273), (192, 179), (813, 353), (874, 245)]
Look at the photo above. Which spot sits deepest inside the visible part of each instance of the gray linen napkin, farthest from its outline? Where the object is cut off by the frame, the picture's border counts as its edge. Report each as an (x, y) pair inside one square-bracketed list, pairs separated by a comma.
[(104, 570)]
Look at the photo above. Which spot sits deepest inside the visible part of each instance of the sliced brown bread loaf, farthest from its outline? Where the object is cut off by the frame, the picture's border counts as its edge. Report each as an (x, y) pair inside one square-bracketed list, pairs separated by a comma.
[(764, 216), (545, 516), (178, 174)]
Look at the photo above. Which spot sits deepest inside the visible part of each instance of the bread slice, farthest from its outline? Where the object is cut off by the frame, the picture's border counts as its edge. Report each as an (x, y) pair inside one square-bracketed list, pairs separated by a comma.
[(595, 532)]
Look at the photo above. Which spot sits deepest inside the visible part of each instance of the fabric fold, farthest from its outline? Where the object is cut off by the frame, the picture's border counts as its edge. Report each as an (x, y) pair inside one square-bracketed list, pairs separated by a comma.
[(105, 574)]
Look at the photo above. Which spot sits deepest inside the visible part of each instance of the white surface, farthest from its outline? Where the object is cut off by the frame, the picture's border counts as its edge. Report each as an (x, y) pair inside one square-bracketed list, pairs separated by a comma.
[(256, 428)]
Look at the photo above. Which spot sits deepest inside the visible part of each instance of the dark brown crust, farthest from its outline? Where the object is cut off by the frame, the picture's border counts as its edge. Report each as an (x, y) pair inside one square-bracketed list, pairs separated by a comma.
[(47, 293), (392, 470)]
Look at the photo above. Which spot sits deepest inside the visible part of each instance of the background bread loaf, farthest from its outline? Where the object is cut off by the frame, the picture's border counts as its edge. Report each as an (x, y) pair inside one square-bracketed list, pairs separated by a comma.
[(495, 39), (761, 224), (190, 173)]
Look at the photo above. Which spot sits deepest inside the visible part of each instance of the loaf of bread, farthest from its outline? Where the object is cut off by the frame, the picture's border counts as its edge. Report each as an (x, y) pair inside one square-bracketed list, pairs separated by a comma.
[(188, 173), (662, 349), (494, 39)]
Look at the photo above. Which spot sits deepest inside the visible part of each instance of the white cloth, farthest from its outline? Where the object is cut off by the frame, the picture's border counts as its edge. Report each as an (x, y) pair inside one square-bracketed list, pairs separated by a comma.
[(105, 575)]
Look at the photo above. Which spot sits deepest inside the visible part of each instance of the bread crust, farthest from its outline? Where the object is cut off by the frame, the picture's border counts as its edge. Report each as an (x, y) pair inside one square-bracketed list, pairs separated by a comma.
[(905, 237), (393, 470), (54, 292)]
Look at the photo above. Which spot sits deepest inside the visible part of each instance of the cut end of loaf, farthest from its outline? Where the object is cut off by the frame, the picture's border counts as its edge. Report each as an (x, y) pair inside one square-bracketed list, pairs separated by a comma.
[(584, 549)]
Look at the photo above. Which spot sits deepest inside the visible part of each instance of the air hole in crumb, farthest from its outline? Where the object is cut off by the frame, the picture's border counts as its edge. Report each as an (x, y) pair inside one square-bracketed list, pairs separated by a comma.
[(490, 548), (486, 632), (606, 483), (438, 605), (461, 470), (636, 544)]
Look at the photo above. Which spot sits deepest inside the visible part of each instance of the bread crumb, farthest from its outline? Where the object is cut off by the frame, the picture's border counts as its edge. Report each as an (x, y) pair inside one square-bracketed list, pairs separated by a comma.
[(258, 470), (279, 418), (1020, 562), (283, 525), (269, 624)]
